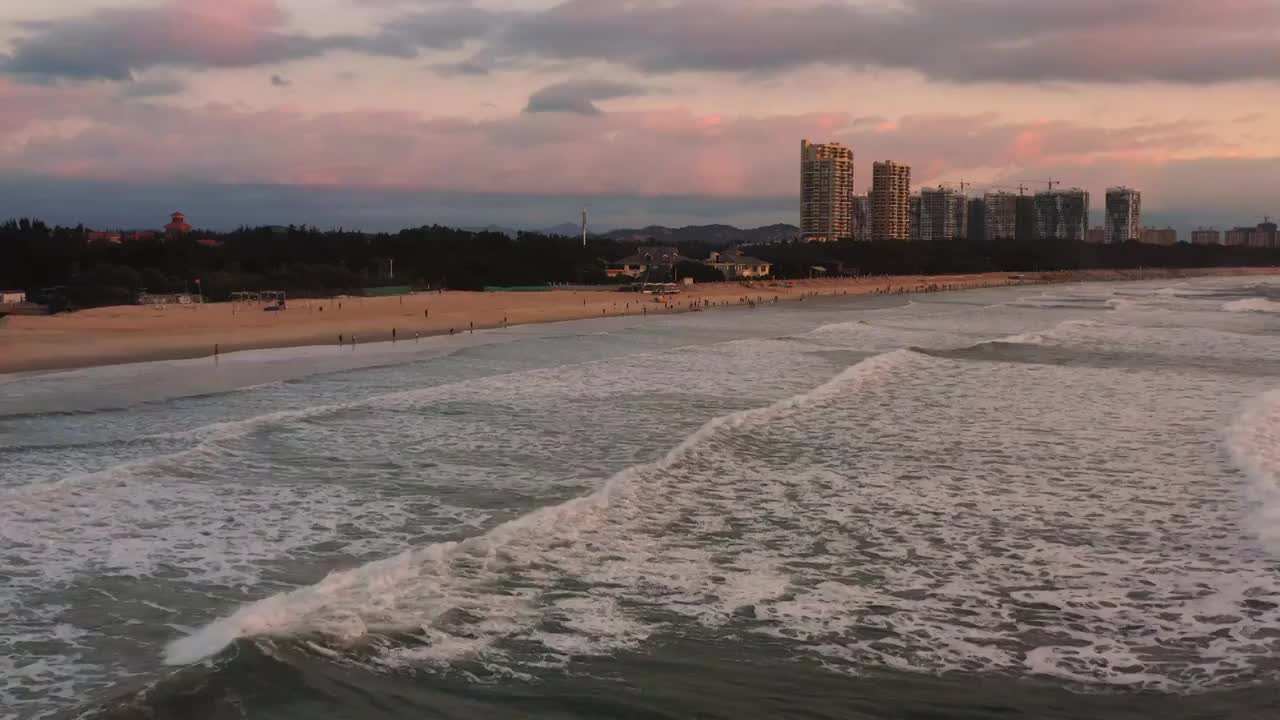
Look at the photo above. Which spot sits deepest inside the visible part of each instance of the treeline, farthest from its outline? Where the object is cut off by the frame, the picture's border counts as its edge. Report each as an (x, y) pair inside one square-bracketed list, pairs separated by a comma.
[(308, 262), (300, 260)]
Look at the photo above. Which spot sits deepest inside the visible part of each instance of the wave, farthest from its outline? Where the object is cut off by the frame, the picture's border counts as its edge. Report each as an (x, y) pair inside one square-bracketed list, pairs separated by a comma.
[(426, 590), (1253, 305), (1254, 441)]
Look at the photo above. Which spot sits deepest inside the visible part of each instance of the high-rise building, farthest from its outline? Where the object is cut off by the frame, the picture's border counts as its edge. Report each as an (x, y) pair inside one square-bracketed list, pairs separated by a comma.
[(1266, 235), (1063, 215), (1028, 226), (890, 201), (860, 209), (944, 215), (1239, 237), (826, 191), (1124, 215), (913, 218), (1206, 236), (977, 220), (1002, 216), (1159, 236)]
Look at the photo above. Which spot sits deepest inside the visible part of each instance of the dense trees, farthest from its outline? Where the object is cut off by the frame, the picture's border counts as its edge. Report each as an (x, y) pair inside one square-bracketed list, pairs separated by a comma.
[(306, 261)]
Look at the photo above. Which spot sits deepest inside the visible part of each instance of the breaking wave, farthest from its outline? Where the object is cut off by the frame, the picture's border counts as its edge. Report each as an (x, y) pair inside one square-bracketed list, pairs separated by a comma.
[(1254, 440), (429, 590), (1253, 305)]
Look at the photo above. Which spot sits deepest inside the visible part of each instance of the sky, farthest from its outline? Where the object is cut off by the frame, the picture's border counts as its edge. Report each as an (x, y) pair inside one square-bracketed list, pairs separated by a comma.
[(382, 114)]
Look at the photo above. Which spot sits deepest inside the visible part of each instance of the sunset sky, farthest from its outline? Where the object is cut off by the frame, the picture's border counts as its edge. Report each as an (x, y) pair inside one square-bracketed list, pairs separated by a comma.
[(385, 113)]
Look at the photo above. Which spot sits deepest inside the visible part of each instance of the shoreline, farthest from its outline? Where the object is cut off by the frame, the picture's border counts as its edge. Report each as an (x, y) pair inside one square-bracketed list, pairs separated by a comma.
[(134, 334)]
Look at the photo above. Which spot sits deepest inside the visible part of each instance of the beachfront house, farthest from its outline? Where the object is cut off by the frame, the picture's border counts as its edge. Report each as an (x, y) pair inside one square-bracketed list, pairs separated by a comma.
[(652, 262), (12, 297), (736, 266)]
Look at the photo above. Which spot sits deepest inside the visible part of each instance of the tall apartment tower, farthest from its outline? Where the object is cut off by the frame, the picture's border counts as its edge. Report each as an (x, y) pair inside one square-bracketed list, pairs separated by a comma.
[(826, 192), (1002, 216), (1124, 215), (1063, 215), (944, 215), (890, 201)]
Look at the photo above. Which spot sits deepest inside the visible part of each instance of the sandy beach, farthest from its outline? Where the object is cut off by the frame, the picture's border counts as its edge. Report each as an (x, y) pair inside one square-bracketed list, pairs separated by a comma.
[(123, 334)]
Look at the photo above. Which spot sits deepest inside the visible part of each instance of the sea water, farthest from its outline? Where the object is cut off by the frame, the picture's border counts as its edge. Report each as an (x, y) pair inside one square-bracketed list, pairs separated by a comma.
[(1038, 502)]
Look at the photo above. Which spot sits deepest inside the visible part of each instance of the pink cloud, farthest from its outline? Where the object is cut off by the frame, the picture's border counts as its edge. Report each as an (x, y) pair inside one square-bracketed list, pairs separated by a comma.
[(653, 152)]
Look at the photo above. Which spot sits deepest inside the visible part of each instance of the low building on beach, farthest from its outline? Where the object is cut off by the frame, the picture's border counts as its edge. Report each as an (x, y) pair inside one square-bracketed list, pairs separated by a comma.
[(12, 297), (735, 266), (646, 260)]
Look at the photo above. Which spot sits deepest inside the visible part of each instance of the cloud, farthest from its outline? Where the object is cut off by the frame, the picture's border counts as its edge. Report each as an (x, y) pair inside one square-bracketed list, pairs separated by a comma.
[(280, 81), (579, 96), (1024, 42), (1183, 41), (115, 44), (84, 132)]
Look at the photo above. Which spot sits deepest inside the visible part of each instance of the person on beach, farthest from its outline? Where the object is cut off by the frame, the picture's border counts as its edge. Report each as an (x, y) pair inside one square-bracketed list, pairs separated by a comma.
[(393, 334)]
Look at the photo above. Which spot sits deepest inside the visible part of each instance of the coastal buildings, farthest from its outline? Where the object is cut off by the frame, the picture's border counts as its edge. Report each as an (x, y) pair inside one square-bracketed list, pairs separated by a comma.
[(1028, 228), (1239, 237), (177, 226), (1206, 236), (1160, 236), (1124, 215), (12, 297), (826, 192), (1062, 215), (977, 209), (943, 215), (736, 266), (860, 209), (890, 201), (1097, 235), (913, 218), (1266, 234), (1002, 216), (655, 261)]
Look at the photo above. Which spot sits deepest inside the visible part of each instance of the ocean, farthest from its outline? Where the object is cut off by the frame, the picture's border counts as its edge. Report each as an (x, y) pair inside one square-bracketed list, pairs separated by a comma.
[(1032, 502)]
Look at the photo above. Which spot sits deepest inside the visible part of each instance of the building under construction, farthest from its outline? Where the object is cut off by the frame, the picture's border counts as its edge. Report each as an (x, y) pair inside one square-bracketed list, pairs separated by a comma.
[(1002, 216), (1062, 215), (1124, 215), (943, 215)]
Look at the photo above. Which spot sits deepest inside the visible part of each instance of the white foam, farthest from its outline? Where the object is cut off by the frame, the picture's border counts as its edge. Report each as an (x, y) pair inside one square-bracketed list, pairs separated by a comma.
[(416, 589), (1254, 440), (1252, 305)]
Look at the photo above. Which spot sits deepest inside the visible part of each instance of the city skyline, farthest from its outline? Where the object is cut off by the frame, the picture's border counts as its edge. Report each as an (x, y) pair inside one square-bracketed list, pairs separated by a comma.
[(540, 99)]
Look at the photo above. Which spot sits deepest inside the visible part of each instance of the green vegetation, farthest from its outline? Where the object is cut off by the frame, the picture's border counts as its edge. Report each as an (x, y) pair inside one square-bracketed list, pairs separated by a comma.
[(307, 262)]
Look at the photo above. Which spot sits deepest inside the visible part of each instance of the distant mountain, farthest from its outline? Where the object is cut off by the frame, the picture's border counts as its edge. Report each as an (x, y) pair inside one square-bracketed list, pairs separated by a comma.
[(714, 235), (567, 229)]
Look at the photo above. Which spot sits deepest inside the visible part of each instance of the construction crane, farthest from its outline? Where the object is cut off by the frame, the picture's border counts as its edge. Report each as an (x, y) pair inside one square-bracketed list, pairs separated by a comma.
[(1022, 189), (1050, 182)]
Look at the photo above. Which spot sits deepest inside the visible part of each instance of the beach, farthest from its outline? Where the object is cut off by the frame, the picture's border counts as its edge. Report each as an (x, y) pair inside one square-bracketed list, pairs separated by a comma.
[(127, 334)]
